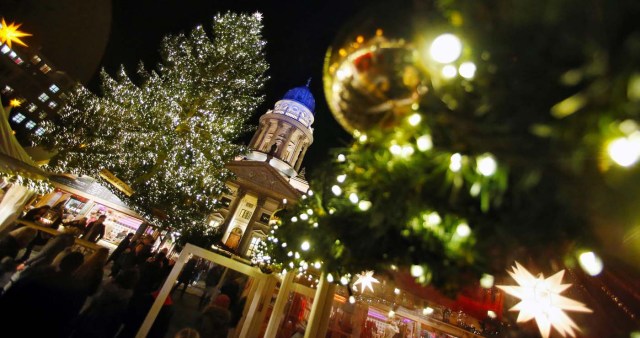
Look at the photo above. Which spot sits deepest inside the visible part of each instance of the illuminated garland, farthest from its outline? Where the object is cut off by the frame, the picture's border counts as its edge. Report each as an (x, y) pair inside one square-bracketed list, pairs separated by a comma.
[(40, 187), (520, 158), (169, 132)]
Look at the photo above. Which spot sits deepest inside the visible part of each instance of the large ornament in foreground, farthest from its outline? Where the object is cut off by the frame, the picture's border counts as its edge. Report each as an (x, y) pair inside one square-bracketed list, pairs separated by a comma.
[(540, 299), (371, 79)]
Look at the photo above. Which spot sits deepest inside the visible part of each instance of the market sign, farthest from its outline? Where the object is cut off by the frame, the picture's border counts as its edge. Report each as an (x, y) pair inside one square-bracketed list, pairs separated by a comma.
[(116, 182)]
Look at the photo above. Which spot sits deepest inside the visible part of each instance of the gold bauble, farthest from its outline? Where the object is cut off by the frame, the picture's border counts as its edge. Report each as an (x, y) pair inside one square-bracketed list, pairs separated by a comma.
[(371, 79)]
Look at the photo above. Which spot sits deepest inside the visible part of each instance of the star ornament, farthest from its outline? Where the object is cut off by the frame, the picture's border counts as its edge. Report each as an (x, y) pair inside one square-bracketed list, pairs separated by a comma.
[(9, 33), (366, 280), (540, 299)]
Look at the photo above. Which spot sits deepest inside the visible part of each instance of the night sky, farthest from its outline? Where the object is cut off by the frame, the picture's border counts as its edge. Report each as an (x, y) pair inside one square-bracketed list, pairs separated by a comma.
[(80, 38)]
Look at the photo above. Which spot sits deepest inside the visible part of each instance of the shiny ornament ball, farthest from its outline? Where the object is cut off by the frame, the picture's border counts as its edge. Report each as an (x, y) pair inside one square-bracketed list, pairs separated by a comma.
[(371, 79)]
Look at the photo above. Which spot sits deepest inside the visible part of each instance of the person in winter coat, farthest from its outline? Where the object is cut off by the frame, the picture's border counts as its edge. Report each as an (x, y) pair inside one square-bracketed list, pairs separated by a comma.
[(90, 273), (44, 303), (51, 249), (215, 319), (16, 240), (105, 313), (95, 230), (186, 276), (123, 245)]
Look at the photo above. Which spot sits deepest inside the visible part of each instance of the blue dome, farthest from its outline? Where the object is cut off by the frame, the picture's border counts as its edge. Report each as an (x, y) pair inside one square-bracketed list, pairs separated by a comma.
[(301, 95)]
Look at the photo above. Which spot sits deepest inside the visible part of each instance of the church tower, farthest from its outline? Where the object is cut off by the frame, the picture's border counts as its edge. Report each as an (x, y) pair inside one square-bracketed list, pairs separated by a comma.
[(269, 175), (285, 133)]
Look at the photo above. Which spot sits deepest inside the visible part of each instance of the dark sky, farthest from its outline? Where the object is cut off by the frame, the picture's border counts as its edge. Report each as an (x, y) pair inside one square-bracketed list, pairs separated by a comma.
[(79, 36), (297, 34)]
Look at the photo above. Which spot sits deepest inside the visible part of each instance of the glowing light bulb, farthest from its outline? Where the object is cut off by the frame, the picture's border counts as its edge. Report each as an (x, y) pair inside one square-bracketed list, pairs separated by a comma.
[(424, 143), (391, 314), (336, 190), (415, 119), (341, 158), (590, 263), (417, 270), (364, 205), (407, 151), (449, 71), (352, 300), (396, 291), (344, 280), (353, 197), (486, 165), (486, 281), (294, 219), (395, 149), (463, 230), (491, 314), (625, 151), (427, 311), (304, 217), (467, 70), (305, 246), (446, 48), (455, 163), (341, 178), (329, 278), (363, 138), (309, 211)]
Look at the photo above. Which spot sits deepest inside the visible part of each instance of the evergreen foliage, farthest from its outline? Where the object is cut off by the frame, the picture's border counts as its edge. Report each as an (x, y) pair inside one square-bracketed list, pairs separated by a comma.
[(169, 133)]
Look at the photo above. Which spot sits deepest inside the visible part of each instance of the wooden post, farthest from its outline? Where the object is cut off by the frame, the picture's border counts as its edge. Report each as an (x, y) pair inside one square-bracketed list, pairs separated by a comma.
[(321, 309), (278, 308), (257, 308)]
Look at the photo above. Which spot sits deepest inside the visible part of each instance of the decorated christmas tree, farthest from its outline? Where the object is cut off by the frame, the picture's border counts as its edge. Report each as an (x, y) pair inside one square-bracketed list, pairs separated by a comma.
[(484, 133), (161, 139)]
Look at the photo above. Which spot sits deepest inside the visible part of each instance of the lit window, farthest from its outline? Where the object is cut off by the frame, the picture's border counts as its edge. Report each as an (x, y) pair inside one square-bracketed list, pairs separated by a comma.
[(7, 90), (246, 214), (5, 49), (253, 246), (53, 88), (13, 55), (35, 59), (17, 118), (45, 68), (30, 124), (32, 107), (42, 115), (43, 97), (52, 104), (225, 201), (18, 61), (39, 131)]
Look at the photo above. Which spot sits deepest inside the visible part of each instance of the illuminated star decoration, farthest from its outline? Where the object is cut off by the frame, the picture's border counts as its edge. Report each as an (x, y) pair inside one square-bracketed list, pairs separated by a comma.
[(15, 102), (258, 16), (9, 33), (366, 280), (540, 299)]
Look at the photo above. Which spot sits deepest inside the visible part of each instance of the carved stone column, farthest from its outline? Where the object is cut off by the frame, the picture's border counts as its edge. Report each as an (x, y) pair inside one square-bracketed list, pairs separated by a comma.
[(246, 237), (232, 210)]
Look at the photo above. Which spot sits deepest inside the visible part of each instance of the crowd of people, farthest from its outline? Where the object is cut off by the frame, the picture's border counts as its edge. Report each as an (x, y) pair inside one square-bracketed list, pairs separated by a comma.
[(50, 288)]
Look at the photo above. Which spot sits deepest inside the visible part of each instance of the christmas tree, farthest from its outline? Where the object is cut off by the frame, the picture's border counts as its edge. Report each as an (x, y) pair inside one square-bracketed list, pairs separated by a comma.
[(167, 134), (504, 131)]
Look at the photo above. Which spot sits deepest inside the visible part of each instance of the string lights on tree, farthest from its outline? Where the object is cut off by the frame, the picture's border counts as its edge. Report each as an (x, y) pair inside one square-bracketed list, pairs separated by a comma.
[(468, 151), (168, 132)]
